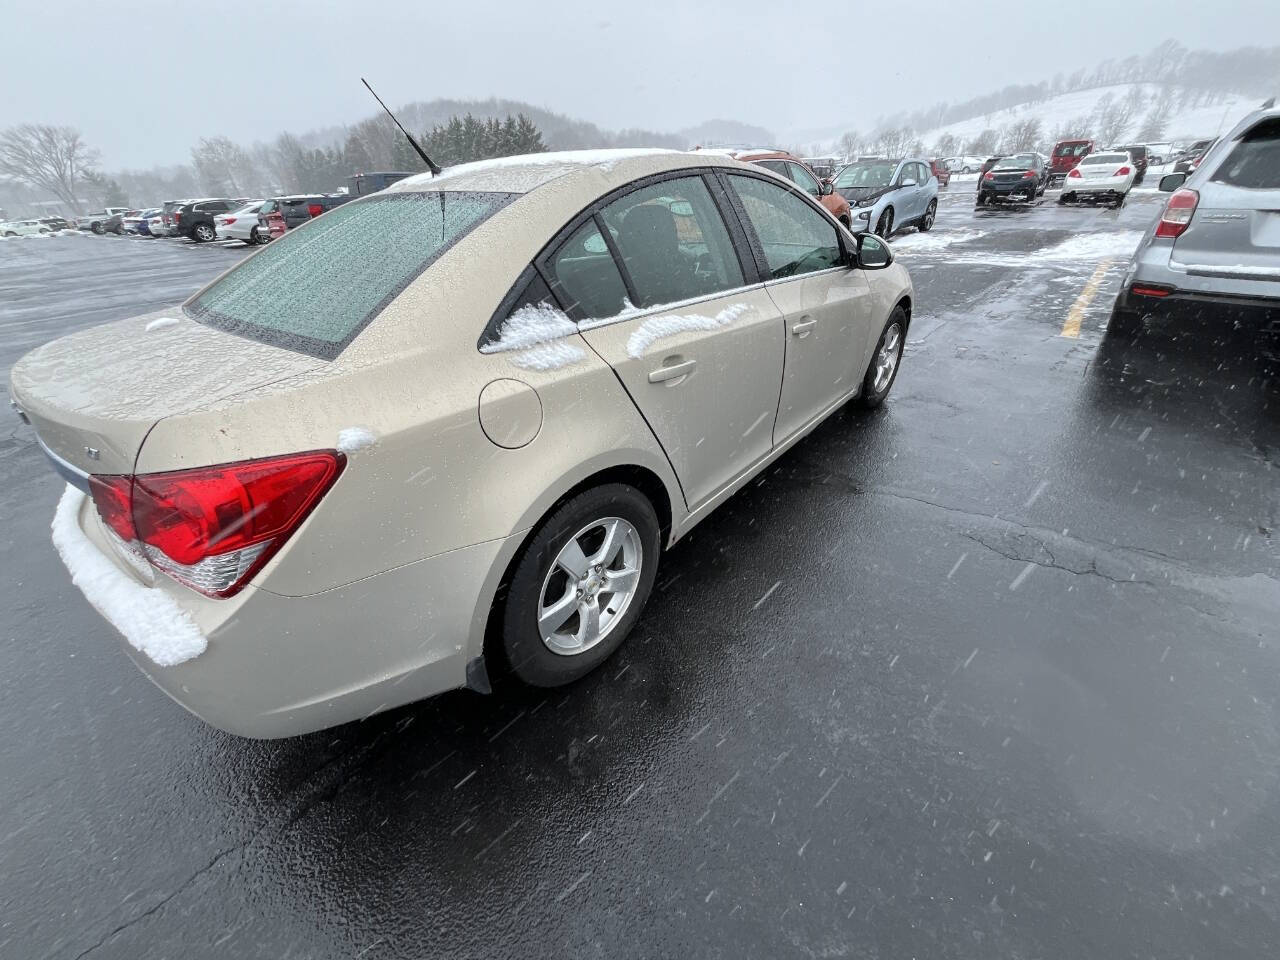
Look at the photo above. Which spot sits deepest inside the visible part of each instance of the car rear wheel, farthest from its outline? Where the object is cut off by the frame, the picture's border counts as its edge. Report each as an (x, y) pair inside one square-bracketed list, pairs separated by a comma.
[(580, 585), (965, 170), (885, 361), (884, 226), (203, 233), (97, 228), (255, 238), (930, 214)]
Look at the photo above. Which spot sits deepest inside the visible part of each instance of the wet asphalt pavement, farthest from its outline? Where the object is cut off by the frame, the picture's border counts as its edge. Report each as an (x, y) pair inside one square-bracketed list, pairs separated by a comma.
[(992, 673)]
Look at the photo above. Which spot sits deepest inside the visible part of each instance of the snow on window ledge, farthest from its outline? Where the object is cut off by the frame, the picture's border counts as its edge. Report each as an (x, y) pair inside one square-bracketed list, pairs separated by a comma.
[(668, 325), (535, 336), (148, 617)]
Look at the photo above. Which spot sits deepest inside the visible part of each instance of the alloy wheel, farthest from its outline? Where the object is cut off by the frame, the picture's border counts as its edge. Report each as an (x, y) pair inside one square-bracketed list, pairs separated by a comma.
[(887, 358), (592, 581)]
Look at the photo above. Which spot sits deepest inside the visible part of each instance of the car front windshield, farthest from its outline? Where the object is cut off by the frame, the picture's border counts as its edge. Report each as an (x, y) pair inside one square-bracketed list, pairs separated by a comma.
[(314, 289), (866, 175)]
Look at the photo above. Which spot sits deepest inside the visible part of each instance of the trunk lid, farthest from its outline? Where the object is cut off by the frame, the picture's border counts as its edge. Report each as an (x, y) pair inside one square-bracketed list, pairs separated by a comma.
[(1235, 232), (93, 396)]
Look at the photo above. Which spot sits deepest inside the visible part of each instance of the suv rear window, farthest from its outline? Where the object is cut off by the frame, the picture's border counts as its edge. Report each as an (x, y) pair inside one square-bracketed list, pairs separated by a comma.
[(314, 290), (1254, 160)]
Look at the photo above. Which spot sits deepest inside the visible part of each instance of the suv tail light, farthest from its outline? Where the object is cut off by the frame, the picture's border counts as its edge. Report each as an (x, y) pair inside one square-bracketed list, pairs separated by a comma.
[(1177, 214), (213, 528), (1075, 173), (1123, 172), (177, 216), (989, 176), (315, 209)]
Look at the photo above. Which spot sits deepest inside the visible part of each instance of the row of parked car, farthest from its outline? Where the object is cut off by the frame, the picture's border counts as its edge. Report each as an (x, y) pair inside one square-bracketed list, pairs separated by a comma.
[(255, 221), (27, 228)]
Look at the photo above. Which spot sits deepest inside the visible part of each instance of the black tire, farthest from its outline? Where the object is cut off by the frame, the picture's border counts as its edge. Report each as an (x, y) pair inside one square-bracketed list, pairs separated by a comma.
[(884, 226), (97, 228), (965, 170), (870, 398), (255, 238), (10, 233), (930, 214), (527, 657), (981, 201), (203, 233), (1118, 202)]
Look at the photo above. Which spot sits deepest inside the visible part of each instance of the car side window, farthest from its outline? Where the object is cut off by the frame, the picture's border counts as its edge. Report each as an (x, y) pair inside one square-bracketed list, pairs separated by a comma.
[(777, 166), (673, 242), (585, 278), (804, 180), (796, 238), (904, 174)]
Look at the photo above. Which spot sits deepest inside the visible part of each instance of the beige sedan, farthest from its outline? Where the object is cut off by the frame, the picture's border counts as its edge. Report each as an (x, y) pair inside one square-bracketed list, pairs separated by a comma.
[(448, 429)]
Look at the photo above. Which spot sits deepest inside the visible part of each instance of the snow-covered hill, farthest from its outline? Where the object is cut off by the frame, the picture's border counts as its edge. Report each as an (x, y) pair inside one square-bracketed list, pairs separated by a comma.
[(1186, 122)]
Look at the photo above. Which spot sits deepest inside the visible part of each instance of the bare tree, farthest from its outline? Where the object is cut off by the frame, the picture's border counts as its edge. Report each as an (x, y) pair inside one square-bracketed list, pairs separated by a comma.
[(849, 142), (946, 146), (1022, 135), (1112, 118), (48, 158), (985, 143), (222, 165), (1077, 128), (894, 141), (1157, 120)]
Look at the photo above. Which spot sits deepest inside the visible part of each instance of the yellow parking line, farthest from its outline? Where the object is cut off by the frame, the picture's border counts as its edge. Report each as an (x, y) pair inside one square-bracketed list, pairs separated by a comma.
[(1071, 326)]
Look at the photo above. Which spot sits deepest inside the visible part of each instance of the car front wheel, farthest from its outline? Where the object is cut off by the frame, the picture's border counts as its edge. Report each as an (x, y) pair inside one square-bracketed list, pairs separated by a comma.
[(203, 233), (884, 226), (580, 586), (883, 369), (930, 214)]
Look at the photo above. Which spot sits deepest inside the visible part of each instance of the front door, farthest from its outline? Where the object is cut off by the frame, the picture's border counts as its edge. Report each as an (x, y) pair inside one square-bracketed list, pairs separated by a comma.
[(825, 305), (697, 346)]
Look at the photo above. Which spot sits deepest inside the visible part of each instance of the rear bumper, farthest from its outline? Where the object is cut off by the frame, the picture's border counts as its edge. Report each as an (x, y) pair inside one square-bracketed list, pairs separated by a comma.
[(1256, 319), (1004, 191), (275, 666)]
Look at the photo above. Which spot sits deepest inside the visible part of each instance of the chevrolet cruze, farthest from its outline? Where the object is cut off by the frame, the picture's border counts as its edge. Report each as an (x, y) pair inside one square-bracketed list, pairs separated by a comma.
[(447, 429)]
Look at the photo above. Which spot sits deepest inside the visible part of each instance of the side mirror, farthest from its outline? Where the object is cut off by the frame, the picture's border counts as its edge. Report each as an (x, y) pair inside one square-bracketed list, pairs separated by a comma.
[(873, 252), (907, 183), (828, 188), (1172, 181)]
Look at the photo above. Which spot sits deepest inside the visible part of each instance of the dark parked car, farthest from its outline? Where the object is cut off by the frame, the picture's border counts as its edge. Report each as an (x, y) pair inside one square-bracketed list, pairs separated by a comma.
[(1140, 159), (194, 219), (1066, 154), (57, 223), (361, 184), (1192, 156), (1018, 177), (284, 213)]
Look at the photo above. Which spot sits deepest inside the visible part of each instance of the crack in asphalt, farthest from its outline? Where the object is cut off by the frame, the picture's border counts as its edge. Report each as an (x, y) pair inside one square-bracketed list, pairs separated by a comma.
[(320, 793), (1053, 564)]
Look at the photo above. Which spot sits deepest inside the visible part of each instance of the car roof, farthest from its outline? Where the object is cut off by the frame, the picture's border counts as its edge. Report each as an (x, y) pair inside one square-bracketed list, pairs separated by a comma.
[(522, 174)]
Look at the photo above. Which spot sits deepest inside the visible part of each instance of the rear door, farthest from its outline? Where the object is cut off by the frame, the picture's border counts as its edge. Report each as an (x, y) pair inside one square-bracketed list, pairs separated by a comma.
[(825, 305), (1235, 230), (666, 296)]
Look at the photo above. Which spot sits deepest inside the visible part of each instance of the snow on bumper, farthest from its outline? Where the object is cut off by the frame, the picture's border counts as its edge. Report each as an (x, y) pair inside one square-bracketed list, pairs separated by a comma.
[(149, 619)]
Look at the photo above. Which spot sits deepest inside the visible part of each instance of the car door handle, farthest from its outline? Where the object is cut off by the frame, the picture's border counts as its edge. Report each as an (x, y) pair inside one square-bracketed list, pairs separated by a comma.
[(802, 328), (673, 372)]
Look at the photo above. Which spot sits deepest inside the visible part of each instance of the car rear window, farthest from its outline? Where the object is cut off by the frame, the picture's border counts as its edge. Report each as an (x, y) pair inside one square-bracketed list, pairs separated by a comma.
[(1098, 158), (1254, 160), (313, 290)]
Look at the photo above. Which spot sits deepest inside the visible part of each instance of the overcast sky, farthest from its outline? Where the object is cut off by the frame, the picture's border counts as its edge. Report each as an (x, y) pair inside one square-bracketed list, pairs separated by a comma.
[(143, 80)]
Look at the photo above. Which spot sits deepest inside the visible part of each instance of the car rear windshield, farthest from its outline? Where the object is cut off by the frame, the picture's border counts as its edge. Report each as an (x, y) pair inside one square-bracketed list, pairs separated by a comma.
[(314, 289), (1095, 158), (1254, 160)]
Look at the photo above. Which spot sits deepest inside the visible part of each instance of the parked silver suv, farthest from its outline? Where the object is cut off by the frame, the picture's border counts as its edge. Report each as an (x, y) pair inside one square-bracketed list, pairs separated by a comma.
[(1213, 257)]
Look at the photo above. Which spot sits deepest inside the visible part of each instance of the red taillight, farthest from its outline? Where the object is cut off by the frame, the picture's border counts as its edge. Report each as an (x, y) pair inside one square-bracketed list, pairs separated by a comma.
[(1122, 172), (1028, 175), (227, 221), (315, 209), (177, 217), (1144, 291), (213, 528), (989, 176), (1177, 214), (112, 495), (1075, 173)]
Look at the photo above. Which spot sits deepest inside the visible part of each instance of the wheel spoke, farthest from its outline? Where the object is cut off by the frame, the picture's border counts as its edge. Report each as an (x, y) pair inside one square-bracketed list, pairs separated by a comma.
[(620, 581), (553, 617), (588, 622), (612, 544), (572, 559)]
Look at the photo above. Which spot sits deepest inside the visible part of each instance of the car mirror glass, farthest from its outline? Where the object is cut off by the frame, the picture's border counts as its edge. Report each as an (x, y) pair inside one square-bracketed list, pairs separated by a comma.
[(1172, 181), (908, 183), (873, 252)]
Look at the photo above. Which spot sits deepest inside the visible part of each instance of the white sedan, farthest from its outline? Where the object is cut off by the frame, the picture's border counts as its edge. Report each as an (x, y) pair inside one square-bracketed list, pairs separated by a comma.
[(964, 164), (240, 224), (23, 228), (1100, 176)]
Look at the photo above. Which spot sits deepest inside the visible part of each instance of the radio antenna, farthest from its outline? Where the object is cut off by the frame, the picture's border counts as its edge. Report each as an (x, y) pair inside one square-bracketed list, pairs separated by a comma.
[(431, 164)]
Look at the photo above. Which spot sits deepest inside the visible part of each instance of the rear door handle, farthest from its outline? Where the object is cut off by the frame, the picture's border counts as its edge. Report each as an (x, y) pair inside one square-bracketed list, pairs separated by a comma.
[(673, 372), (802, 328)]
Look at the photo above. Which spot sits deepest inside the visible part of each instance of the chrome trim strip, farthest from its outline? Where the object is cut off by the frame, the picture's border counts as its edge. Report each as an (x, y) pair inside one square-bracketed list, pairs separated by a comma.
[(68, 471), (1238, 272)]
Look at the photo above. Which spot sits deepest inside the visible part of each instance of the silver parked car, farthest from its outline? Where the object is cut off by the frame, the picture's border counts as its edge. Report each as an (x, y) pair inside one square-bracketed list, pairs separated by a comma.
[(1213, 257), (886, 195), (448, 428)]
